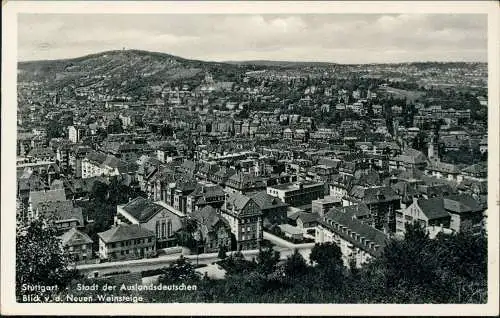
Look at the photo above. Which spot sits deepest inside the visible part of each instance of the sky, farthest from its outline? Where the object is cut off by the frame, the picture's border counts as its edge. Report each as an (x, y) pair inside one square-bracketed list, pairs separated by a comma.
[(338, 38)]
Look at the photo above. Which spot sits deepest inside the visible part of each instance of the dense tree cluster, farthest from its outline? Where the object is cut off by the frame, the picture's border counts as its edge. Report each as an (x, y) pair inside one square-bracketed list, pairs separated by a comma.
[(40, 260), (416, 269)]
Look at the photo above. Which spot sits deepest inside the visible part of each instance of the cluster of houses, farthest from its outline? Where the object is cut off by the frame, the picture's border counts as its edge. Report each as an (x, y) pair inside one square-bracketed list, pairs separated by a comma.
[(205, 169), (355, 199)]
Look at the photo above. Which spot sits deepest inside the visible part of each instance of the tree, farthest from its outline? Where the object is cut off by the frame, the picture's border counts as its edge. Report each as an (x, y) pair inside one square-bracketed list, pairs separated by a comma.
[(54, 129), (326, 254), (410, 261), (267, 260), (180, 271), (222, 252), (99, 191), (102, 133), (419, 142), (40, 260), (115, 127), (330, 266), (295, 265)]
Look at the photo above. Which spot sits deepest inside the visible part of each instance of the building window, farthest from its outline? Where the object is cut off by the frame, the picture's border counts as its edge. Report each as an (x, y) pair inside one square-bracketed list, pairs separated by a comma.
[(169, 228)]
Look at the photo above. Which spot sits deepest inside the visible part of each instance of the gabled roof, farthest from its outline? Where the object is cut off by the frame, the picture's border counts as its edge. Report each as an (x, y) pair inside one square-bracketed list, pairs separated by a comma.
[(238, 201), (37, 197), (373, 194), (142, 209), (433, 208), (225, 172), (479, 169), (243, 181), (462, 203), (74, 237), (369, 178), (307, 217), (207, 191), (266, 201), (124, 232), (207, 218), (60, 211), (443, 167), (358, 210)]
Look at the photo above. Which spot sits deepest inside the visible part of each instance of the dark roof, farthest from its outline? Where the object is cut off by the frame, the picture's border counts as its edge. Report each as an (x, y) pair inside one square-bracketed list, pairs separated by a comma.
[(373, 194), (306, 217), (60, 211), (441, 207), (207, 218), (364, 230), (202, 190), (37, 197), (462, 203), (111, 161), (245, 181), (480, 169), (142, 209), (433, 208), (369, 178), (358, 210), (435, 189), (239, 201), (124, 232), (266, 201), (443, 167)]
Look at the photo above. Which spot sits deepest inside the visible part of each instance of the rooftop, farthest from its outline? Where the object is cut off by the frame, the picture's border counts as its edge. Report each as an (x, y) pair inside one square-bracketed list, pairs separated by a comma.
[(124, 232), (296, 186)]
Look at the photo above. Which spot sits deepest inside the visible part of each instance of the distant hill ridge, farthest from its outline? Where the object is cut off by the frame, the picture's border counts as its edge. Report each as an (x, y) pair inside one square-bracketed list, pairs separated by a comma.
[(134, 71)]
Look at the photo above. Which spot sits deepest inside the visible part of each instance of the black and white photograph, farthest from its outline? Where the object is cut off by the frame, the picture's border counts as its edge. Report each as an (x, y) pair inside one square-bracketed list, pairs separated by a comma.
[(262, 157)]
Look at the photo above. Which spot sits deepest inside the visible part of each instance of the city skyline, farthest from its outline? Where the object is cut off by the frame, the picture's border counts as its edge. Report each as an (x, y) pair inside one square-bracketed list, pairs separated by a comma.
[(359, 38)]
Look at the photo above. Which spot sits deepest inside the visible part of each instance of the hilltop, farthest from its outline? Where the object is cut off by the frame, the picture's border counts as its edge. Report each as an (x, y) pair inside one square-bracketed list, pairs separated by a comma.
[(128, 69)]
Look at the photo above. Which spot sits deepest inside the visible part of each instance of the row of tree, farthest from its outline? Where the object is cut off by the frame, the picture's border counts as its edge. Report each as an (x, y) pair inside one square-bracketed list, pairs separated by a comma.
[(416, 269)]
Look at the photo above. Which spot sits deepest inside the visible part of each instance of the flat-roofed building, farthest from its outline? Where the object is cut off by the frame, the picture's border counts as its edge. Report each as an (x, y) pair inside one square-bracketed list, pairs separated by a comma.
[(297, 193)]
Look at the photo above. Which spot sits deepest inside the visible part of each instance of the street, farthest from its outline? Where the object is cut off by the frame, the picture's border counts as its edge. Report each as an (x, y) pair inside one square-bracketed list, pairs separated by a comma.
[(285, 248)]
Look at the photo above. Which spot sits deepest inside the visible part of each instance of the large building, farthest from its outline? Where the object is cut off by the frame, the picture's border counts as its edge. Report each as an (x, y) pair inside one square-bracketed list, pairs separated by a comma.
[(157, 217), (273, 209), (126, 241), (76, 133), (98, 164), (245, 218), (298, 193), (382, 202), (213, 231), (427, 212), (78, 245), (205, 195), (358, 241)]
